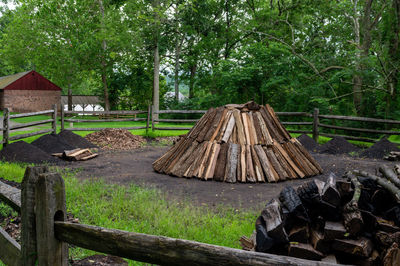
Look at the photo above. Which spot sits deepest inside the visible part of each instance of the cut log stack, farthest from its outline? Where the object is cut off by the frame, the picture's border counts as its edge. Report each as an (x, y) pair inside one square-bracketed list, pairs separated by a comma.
[(238, 143), (355, 220), (76, 155)]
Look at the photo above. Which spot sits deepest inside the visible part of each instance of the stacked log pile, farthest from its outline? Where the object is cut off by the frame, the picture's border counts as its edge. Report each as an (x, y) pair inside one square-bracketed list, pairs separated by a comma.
[(76, 155), (351, 221), (238, 143)]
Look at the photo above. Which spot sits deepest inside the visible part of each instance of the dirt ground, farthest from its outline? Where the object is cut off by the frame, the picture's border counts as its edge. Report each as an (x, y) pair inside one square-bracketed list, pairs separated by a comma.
[(134, 166)]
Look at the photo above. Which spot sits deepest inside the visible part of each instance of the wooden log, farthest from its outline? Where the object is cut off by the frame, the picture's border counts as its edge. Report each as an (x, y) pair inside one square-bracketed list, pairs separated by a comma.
[(392, 256), (192, 171), (219, 172), (10, 252), (263, 241), (162, 250), (334, 230), (264, 129), (243, 164), (232, 162), (198, 127), (278, 124), (392, 189), (257, 129), (282, 161), (292, 202), (387, 226), (162, 161), (213, 161), (246, 129), (270, 125), (252, 129), (88, 157), (182, 165), (239, 126), (239, 165), (257, 165), (352, 218), (50, 207), (385, 239), (281, 173), (299, 233), (174, 158), (221, 133), (219, 126), (273, 222), (229, 129), (215, 123), (304, 251), (267, 167), (204, 130), (318, 241), (344, 188), (289, 160), (390, 175), (329, 193), (203, 163), (361, 247), (250, 172), (298, 160), (307, 154), (330, 259), (11, 196)]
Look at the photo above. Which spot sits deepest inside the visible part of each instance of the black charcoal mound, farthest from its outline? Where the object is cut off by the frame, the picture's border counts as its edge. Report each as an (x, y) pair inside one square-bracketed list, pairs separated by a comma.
[(52, 143), (75, 140), (338, 145), (26, 153), (308, 143), (379, 149)]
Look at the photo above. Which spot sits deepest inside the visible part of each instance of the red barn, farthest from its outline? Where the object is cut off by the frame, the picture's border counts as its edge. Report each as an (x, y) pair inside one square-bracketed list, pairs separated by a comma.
[(28, 92)]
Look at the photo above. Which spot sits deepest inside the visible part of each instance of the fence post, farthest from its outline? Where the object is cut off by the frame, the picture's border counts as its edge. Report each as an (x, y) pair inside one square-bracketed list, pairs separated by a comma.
[(28, 222), (148, 118), (315, 124), (50, 207), (54, 123), (6, 126), (62, 117), (152, 118)]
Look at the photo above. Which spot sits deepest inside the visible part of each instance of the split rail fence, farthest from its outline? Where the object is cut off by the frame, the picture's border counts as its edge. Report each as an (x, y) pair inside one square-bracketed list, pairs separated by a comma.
[(316, 124), (45, 234)]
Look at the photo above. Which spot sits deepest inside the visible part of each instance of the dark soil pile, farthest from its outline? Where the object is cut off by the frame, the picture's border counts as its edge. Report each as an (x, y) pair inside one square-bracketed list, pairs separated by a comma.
[(24, 152), (52, 143), (115, 139), (379, 149), (338, 145), (75, 140), (308, 143)]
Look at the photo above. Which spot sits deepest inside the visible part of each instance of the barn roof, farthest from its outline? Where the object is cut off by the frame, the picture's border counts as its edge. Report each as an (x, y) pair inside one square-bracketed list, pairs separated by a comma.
[(7, 80), (81, 99), (29, 80)]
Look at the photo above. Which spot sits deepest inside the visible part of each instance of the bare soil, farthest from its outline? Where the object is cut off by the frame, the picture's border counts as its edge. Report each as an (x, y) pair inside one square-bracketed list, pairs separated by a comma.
[(135, 166)]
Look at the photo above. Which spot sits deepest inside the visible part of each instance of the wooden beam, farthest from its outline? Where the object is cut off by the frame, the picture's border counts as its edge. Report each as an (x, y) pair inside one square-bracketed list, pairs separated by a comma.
[(22, 136), (106, 112), (100, 128), (363, 130), (32, 114), (181, 112), (35, 123), (10, 251), (164, 250), (11, 196), (104, 120), (361, 119)]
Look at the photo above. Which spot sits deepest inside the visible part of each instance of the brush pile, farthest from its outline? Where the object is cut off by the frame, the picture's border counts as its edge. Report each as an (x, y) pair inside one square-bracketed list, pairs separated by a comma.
[(351, 221), (115, 139), (238, 143)]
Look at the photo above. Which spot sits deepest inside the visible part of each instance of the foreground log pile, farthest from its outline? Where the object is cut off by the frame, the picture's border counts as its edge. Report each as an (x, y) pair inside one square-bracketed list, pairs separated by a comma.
[(238, 143), (351, 221), (76, 155)]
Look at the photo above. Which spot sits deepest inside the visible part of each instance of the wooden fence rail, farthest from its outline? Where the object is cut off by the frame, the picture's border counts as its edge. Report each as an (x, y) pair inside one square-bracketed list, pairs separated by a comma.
[(45, 234), (7, 127)]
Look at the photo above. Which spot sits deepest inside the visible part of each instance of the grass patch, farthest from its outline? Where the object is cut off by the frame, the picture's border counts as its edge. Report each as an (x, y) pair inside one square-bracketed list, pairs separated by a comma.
[(136, 209)]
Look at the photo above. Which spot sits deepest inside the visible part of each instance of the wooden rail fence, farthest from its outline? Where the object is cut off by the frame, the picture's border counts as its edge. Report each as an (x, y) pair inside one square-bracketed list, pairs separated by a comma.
[(7, 127), (45, 234)]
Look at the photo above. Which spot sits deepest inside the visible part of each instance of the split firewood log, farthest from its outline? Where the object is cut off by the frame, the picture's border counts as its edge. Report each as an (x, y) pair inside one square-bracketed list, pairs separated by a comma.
[(221, 162), (319, 242), (334, 230), (330, 259), (267, 167), (356, 247), (273, 222), (232, 163), (352, 218), (304, 251), (392, 256), (299, 233), (395, 191), (393, 214), (263, 241), (386, 239), (292, 202), (390, 175), (257, 165), (330, 194)]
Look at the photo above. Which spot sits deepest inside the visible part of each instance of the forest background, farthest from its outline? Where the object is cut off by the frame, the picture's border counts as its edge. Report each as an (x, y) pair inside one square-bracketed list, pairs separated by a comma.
[(341, 56)]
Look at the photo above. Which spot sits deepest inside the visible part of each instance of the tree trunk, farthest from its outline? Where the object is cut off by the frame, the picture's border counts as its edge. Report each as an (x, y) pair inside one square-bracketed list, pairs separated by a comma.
[(156, 72), (69, 98), (193, 69), (104, 63), (178, 47)]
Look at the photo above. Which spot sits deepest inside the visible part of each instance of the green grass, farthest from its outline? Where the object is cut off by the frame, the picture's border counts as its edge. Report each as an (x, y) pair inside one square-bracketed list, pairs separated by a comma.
[(136, 209)]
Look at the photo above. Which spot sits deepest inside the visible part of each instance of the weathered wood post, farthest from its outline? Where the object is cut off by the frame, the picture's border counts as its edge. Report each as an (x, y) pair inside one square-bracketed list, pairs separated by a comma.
[(62, 118), (28, 226), (315, 124), (50, 207), (6, 126), (54, 123), (152, 118), (148, 118)]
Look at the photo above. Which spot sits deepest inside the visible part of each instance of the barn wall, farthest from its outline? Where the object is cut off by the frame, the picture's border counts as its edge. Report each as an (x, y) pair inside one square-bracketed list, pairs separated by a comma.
[(1, 100), (23, 101)]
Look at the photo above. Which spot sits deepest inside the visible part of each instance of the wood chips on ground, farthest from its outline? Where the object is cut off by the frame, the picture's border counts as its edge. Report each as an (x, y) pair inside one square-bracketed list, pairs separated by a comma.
[(115, 139)]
